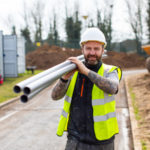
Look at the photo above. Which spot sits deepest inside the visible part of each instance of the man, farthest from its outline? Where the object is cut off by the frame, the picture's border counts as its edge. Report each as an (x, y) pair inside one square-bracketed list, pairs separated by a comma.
[(89, 107)]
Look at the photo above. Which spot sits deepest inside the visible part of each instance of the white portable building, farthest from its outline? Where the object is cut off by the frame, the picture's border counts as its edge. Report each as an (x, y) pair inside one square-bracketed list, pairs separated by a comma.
[(12, 57), (1, 53)]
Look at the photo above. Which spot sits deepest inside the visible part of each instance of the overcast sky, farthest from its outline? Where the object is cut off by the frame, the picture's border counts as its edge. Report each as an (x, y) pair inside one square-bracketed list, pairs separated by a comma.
[(11, 12)]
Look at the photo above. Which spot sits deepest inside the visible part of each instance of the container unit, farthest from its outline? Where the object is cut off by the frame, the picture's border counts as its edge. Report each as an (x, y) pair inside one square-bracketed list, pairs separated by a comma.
[(12, 55), (21, 54), (1, 54)]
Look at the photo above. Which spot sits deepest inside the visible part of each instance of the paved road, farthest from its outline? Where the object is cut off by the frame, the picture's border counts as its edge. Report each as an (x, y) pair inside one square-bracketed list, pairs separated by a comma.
[(123, 140), (33, 126)]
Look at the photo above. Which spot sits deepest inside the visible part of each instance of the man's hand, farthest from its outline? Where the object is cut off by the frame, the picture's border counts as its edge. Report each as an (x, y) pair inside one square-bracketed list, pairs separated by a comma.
[(69, 74), (80, 66)]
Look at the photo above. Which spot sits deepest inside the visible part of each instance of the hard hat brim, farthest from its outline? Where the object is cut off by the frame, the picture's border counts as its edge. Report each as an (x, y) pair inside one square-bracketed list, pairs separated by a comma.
[(102, 43)]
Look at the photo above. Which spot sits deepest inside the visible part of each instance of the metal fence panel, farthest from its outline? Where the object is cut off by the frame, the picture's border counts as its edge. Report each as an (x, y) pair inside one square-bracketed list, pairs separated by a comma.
[(21, 54), (1, 53), (10, 56)]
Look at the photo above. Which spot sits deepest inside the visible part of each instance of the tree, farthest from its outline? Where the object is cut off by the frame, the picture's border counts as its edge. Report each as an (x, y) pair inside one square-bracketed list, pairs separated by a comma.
[(55, 30), (77, 27), (69, 29), (91, 23), (73, 29), (148, 20), (26, 34), (135, 20), (25, 31), (105, 25), (50, 38), (13, 30), (53, 36), (37, 16)]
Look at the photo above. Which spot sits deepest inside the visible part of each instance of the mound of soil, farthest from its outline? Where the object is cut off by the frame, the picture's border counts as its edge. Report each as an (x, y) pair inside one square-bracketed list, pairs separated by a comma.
[(47, 56), (125, 60)]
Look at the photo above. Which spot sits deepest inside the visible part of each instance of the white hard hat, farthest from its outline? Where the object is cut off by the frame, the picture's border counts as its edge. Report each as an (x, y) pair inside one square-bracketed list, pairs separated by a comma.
[(93, 34)]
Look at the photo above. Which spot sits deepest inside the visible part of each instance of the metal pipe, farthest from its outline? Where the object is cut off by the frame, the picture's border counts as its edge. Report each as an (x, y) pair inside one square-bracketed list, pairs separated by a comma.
[(25, 98), (48, 78), (20, 86)]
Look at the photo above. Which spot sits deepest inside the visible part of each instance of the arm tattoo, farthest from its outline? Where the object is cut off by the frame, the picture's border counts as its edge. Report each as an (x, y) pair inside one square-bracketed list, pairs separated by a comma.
[(105, 84), (59, 90)]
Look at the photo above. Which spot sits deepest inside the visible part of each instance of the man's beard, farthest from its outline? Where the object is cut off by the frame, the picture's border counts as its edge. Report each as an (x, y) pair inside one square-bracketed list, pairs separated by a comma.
[(92, 62)]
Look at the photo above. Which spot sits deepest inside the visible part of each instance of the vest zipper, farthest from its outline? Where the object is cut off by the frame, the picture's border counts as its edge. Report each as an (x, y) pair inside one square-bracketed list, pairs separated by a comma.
[(82, 87)]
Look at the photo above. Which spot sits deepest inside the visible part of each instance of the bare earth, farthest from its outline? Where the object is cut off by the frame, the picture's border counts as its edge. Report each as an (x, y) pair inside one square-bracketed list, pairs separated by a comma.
[(48, 56), (140, 85)]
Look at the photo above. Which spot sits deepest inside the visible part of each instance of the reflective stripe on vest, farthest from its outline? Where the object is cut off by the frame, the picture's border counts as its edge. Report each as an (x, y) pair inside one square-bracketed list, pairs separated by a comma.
[(104, 116), (64, 114), (68, 99), (67, 102), (103, 100)]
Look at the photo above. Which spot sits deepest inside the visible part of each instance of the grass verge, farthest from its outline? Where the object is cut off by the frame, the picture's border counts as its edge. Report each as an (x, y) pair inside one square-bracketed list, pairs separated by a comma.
[(134, 104), (143, 145), (6, 89), (136, 112)]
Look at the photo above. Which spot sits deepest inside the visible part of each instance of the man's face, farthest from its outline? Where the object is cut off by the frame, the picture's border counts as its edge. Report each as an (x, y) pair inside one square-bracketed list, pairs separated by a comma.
[(92, 52)]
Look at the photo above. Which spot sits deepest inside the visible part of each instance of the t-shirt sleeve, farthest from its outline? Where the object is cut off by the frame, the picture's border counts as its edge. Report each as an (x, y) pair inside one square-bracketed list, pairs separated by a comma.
[(113, 76)]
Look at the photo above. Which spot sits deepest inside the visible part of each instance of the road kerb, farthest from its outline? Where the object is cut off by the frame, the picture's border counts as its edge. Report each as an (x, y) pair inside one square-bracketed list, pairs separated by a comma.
[(9, 101), (134, 124)]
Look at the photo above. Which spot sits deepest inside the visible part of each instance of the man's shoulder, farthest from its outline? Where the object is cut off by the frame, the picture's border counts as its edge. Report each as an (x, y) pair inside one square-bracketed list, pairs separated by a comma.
[(109, 68), (112, 70)]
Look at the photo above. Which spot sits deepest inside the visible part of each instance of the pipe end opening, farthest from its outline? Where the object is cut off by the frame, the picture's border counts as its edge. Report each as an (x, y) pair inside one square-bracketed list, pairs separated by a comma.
[(24, 98), (27, 90), (17, 89)]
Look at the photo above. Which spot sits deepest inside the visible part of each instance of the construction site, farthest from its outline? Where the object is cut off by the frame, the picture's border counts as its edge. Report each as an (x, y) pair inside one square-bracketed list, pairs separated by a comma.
[(132, 103), (139, 83), (75, 75)]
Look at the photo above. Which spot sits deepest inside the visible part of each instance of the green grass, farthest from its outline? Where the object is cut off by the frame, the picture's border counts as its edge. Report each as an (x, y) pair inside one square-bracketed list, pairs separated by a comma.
[(6, 89), (143, 145), (134, 104)]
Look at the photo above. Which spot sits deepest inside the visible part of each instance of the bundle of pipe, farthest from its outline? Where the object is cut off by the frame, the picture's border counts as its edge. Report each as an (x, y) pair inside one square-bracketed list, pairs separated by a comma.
[(35, 84), (26, 97)]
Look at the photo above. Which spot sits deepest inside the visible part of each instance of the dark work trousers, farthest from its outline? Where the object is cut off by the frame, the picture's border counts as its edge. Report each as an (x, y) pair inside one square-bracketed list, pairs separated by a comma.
[(75, 145)]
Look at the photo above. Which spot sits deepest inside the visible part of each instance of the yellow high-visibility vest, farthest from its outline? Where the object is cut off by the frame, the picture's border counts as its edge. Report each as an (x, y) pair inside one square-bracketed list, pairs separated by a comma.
[(103, 104)]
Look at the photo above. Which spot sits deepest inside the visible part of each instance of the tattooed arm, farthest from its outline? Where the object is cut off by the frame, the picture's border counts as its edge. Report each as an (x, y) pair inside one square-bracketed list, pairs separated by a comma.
[(61, 87), (59, 90), (106, 84)]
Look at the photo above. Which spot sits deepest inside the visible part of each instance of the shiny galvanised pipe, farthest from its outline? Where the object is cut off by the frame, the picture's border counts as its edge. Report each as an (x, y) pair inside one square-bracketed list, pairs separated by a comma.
[(20, 86), (50, 78), (25, 98)]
